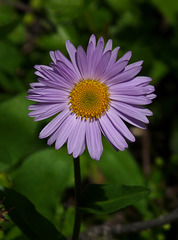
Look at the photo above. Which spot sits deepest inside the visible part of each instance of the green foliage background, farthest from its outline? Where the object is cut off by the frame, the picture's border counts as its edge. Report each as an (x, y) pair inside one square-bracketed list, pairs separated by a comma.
[(28, 31)]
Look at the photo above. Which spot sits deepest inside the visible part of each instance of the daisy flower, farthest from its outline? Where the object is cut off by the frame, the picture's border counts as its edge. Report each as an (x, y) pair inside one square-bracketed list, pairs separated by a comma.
[(91, 94)]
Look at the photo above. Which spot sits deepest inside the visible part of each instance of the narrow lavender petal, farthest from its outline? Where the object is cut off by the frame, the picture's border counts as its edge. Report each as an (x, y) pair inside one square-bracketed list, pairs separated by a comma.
[(51, 75), (149, 89), (66, 72), (135, 82), (151, 96), (140, 81), (126, 56), (93, 139), (113, 58), (101, 40), (36, 85), (111, 133), (119, 124), (93, 40), (130, 111), (60, 57), (82, 62), (53, 84), (96, 57), (39, 67), (124, 76), (71, 140), (51, 96), (132, 120), (136, 64), (40, 74), (72, 53), (64, 131), (51, 112), (54, 124), (39, 109), (143, 110), (112, 73), (77, 138), (90, 51), (129, 90), (53, 57), (108, 46), (101, 67), (47, 91), (138, 100)]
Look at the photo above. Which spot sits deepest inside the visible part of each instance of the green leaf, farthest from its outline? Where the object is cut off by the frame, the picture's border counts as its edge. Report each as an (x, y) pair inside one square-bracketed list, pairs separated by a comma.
[(109, 198), (119, 167), (24, 215), (42, 178), (18, 131)]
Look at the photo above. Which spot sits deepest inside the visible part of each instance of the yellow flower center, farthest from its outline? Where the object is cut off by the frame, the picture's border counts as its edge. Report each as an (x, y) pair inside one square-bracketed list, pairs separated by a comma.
[(89, 99)]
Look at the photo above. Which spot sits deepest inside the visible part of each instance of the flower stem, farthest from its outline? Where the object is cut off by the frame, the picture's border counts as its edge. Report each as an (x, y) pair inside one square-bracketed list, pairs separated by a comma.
[(77, 176)]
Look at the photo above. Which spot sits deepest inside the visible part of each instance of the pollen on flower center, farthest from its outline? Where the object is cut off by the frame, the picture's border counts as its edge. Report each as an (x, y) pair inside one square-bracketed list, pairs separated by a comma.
[(89, 99)]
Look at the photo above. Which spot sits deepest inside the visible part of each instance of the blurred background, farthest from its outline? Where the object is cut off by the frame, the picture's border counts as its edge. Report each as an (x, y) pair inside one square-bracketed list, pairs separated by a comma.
[(29, 29)]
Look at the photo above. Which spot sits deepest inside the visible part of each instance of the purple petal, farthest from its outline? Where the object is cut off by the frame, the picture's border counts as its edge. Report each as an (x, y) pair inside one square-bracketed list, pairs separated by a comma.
[(108, 46), (113, 58), (114, 71), (52, 126), (72, 53), (101, 67), (132, 120), (138, 100), (151, 96), (130, 111), (126, 56), (64, 71), (90, 51), (129, 90), (119, 124), (93, 40), (64, 131), (93, 139), (124, 76), (136, 64), (51, 111), (54, 77), (82, 62), (76, 139), (96, 58), (111, 133)]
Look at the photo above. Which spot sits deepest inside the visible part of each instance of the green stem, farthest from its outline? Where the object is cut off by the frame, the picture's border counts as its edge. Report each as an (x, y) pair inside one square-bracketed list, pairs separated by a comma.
[(77, 176)]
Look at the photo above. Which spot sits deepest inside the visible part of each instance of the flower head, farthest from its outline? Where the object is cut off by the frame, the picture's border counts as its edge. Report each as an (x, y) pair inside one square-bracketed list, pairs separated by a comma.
[(93, 94)]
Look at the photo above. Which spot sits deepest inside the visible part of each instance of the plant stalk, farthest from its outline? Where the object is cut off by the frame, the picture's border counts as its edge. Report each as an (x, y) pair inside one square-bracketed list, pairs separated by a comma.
[(77, 177)]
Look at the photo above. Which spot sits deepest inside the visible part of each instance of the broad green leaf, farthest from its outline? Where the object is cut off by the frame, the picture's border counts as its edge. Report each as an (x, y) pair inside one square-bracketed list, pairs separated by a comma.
[(109, 198), (119, 167), (19, 135), (25, 216), (42, 178)]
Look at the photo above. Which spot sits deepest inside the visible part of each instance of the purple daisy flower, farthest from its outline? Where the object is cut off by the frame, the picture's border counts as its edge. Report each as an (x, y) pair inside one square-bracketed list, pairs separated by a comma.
[(91, 94)]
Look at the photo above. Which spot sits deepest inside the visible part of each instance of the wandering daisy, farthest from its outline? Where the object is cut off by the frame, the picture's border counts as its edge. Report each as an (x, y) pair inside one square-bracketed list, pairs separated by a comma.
[(93, 94)]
